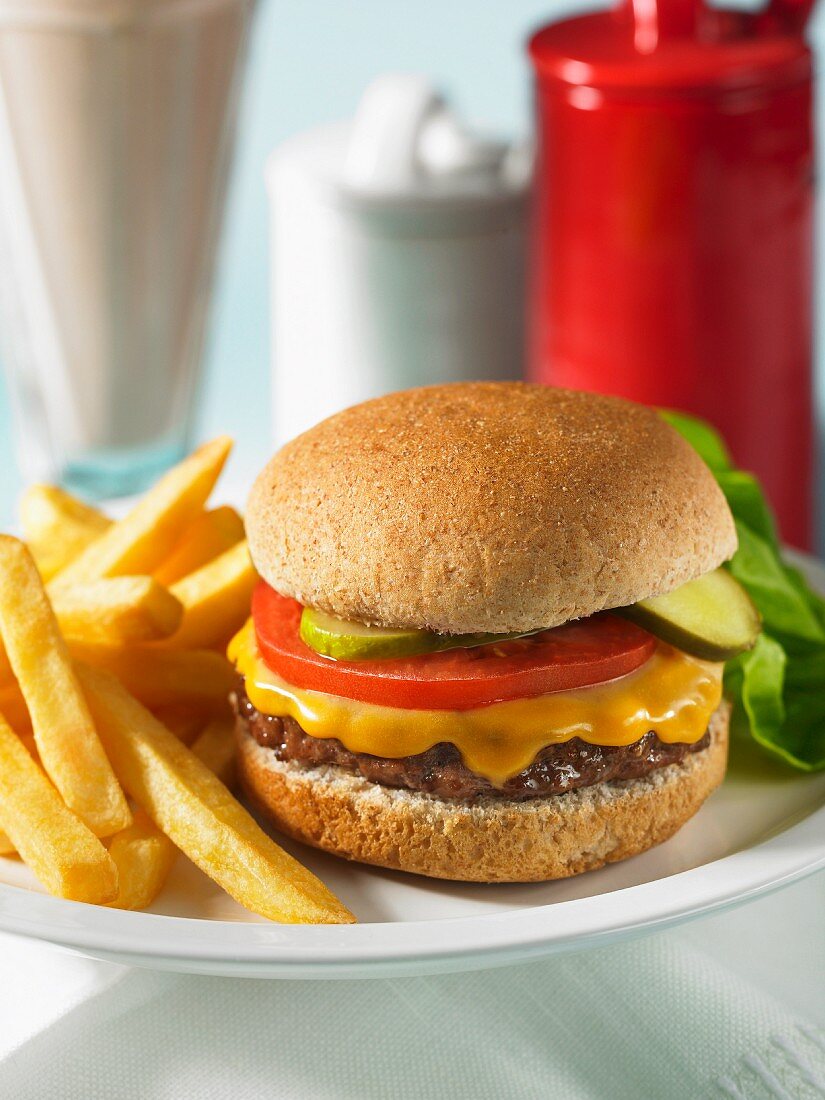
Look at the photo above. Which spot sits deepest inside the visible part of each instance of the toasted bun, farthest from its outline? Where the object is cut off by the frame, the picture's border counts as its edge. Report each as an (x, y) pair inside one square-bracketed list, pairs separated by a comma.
[(486, 507), (488, 840)]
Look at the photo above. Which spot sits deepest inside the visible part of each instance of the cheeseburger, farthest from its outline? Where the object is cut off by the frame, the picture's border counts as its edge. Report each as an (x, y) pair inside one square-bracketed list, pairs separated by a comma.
[(489, 635)]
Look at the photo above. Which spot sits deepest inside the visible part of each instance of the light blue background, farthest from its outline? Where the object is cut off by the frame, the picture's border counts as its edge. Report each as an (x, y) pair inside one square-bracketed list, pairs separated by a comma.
[(309, 62)]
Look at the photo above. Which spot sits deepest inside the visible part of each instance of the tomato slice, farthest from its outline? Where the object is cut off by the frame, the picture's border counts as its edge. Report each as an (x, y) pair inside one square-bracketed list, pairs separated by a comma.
[(575, 655)]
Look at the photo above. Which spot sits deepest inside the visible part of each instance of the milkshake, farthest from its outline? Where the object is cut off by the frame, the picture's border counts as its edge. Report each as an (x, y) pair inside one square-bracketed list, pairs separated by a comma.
[(116, 120)]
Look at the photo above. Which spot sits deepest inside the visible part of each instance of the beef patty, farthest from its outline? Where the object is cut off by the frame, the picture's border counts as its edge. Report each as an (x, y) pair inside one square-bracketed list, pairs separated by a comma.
[(441, 771)]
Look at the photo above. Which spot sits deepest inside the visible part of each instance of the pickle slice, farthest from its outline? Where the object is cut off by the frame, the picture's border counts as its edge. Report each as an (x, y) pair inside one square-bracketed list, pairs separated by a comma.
[(712, 617), (351, 641)]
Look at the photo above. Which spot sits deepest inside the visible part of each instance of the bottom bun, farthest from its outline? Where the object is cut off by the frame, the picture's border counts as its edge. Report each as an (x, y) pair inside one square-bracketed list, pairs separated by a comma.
[(489, 839)]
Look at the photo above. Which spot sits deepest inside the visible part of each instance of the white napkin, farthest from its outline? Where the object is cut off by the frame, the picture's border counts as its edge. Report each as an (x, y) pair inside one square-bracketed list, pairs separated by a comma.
[(731, 1006)]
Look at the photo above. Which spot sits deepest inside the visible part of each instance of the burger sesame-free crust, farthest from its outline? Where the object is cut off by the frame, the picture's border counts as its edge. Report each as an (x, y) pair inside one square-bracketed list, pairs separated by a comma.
[(486, 507), (485, 840)]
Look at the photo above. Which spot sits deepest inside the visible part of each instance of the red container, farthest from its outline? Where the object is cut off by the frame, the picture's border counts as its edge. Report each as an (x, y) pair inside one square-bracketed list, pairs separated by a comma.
[(673, 224)]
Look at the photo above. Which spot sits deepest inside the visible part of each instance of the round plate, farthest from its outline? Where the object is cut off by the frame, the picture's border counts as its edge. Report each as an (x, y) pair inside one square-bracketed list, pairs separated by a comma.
[(764, 828)]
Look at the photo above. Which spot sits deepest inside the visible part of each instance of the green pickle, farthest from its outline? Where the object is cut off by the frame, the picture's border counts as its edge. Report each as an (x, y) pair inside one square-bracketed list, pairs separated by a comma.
[(346, 641), (350, 641), (712, 617)]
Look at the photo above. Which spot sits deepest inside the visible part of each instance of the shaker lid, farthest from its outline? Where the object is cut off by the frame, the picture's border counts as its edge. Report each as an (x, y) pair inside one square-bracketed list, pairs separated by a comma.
[(407, 159), (678, 44)]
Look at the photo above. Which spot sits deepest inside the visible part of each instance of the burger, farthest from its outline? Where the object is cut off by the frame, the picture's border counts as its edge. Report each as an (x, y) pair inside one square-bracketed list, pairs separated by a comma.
[(489, 635)]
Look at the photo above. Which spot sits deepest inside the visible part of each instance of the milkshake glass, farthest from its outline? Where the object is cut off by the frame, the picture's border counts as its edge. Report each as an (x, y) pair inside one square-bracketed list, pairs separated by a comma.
[(116, 124)]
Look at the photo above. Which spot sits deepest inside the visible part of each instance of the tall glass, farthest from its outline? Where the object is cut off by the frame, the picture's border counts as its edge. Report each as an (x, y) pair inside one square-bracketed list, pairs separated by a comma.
[(116, 123)]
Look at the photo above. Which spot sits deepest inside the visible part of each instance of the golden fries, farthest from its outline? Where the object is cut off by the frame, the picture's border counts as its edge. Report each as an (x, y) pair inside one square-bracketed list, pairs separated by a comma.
[(118, 611), (144, 857), (200, 679), (27, 740), (129, 623), (210, 535), (65, 735), (57, 527), (13, 706), (6, 846), (215, 747), (198, 813), (186, 724), (143, 854), (61, 851), (215, 600), (141, 541)]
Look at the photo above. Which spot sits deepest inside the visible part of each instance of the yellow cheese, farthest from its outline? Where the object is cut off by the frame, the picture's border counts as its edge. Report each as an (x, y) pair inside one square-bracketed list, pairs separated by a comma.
[(672, 693)]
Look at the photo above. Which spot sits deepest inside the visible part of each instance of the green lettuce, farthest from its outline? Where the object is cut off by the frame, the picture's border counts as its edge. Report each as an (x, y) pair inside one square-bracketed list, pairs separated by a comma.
[(777, 688)]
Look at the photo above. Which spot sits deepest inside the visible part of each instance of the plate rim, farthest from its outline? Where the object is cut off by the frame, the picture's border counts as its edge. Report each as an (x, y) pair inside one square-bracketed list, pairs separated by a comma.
[(485, 939)]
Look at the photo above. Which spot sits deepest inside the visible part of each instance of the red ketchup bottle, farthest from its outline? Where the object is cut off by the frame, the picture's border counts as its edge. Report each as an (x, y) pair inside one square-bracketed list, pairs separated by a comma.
[(672, 226)]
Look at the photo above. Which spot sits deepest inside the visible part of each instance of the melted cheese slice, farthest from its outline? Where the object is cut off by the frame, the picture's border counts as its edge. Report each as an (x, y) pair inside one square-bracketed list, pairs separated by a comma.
[(672, 693)]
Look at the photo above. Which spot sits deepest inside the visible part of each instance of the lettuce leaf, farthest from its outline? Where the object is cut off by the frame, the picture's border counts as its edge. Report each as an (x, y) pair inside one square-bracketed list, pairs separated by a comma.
[(778, 688), (787, 613), (702, 437), (747, 502), (757, 680)]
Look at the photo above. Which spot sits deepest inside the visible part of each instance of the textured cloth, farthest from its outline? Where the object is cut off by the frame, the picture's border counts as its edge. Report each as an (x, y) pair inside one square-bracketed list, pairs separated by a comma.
[(730, 1007)]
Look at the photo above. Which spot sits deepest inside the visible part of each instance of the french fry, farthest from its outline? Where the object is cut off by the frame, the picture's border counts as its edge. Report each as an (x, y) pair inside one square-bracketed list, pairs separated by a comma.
[(143, 854), (61, 851), (141, 541), (6, 846), (211, 534), (196, 811), (66, 739), (13, 705), (215, 747), (118, 611), (57, 527), (215, 600), (185, 723), (199, 679)]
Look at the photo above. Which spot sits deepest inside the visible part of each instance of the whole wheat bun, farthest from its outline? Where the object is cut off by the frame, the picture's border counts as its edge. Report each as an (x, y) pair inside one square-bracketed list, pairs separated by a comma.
[(489, 839), (486, 507)]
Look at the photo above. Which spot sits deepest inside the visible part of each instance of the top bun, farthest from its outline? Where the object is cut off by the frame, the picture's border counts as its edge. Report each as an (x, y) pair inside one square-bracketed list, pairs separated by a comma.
[(486, 506)]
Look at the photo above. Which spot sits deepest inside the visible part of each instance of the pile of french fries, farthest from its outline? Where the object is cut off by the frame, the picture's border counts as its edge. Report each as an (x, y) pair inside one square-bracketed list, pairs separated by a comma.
[(116, 746)]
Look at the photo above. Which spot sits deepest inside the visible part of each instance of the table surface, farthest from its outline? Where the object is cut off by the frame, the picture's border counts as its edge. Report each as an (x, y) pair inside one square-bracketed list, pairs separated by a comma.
[(729, 1007)]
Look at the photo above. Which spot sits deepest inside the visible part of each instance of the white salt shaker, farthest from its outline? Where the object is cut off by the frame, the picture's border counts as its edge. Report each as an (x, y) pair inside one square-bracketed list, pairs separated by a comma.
[(397, 255)]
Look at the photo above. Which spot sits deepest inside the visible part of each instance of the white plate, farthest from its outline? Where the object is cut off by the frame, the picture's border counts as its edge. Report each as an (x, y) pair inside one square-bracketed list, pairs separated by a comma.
[(763, 829)]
